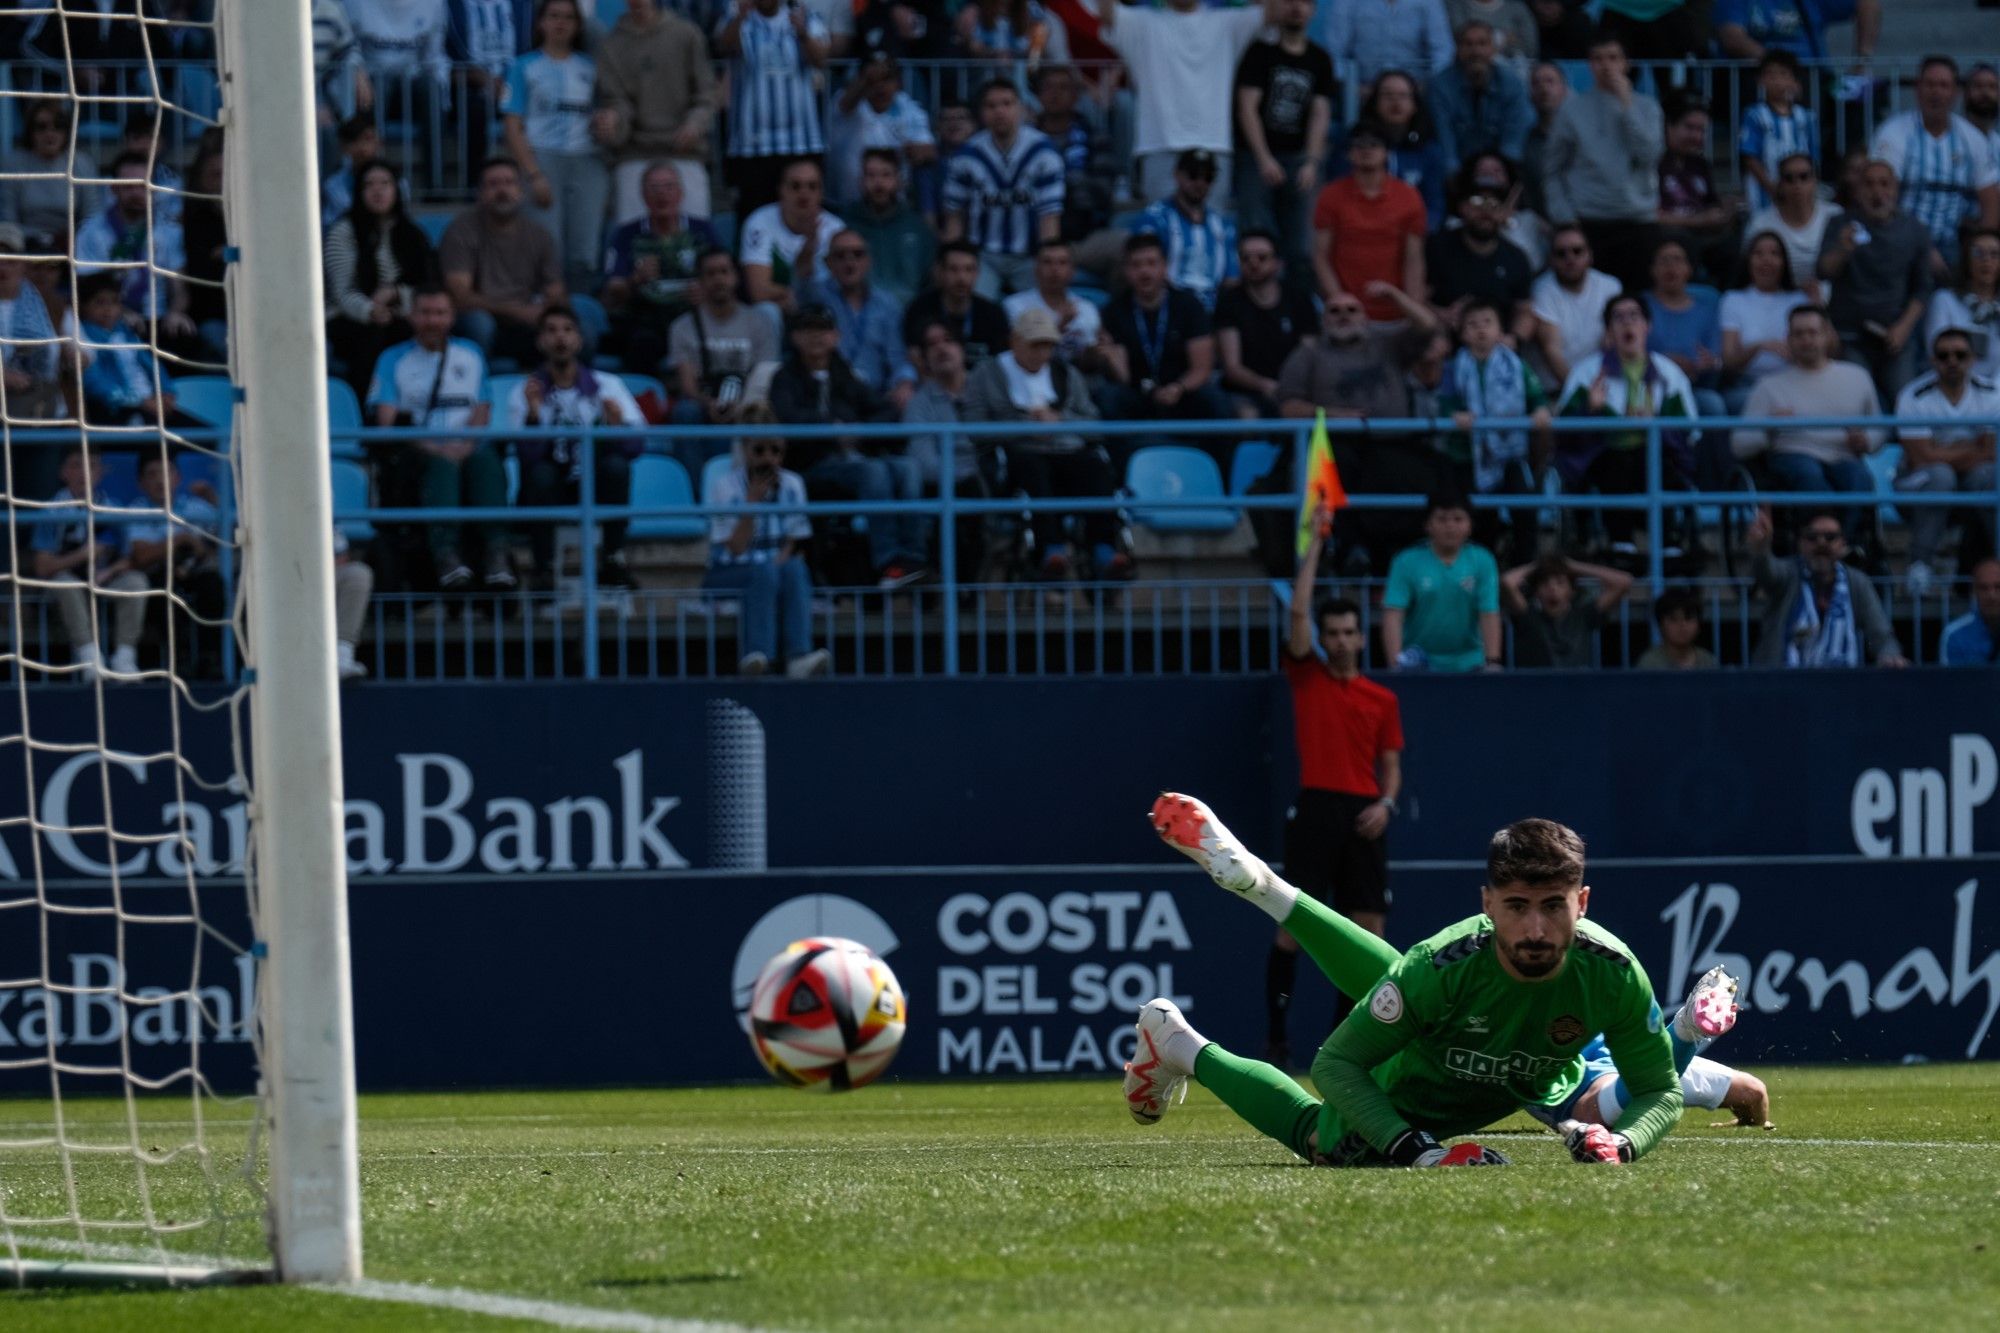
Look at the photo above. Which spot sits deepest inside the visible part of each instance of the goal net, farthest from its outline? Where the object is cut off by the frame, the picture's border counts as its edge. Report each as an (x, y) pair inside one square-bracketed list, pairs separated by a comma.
[(176, 1080)]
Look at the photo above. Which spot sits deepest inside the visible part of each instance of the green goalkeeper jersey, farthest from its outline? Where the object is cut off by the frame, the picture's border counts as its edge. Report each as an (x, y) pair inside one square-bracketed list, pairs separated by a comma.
[(1449, 1041)]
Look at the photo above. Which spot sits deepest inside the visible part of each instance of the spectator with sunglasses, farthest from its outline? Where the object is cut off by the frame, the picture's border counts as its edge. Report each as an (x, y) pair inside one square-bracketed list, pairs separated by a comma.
[(1817, 611), (1475, 260), (759, 557), (1200, 243), (1946, 457), (1798, 216), (36, 191), (869, 320)]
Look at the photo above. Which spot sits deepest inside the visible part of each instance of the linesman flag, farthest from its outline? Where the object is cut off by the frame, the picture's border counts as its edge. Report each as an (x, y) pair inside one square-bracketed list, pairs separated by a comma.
[(1322, 483)]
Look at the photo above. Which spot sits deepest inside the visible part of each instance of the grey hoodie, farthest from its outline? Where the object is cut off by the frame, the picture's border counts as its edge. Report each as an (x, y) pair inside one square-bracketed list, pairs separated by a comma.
[(1602, 161), (657, 80)]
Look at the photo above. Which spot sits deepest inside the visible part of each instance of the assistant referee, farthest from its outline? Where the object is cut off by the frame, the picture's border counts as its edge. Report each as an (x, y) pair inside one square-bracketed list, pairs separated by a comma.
[(1350, 740)]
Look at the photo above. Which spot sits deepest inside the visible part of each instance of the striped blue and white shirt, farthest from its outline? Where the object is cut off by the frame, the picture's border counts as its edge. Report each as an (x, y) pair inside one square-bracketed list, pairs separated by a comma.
[(481, 32), (1770, 138), (553, 98), (1201, 256), (773, 110), (1941, 174), (1003, 194), (772, 531)]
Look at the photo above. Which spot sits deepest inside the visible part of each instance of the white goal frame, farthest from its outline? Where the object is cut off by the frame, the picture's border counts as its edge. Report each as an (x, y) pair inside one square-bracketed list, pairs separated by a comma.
[(278, 337)]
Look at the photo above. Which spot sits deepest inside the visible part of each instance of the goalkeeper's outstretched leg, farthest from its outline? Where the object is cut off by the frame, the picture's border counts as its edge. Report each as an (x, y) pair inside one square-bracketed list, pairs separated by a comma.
[(1354, 959), (1169, 1051)]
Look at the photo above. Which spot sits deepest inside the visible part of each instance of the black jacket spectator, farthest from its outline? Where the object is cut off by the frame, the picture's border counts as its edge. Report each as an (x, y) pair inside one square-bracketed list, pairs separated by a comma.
[(800, 397), (981, 325)]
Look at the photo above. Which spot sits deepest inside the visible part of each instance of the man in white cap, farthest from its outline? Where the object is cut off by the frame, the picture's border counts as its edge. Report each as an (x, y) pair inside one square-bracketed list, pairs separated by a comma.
[(1030, 382)]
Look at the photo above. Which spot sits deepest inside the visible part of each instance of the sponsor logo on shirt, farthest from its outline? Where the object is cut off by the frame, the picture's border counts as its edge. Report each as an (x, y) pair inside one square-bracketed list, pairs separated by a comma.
[(1479, 1067)]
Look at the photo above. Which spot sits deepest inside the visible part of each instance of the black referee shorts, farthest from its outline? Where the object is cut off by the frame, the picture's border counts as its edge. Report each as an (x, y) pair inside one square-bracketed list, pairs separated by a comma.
[(1325, 857)]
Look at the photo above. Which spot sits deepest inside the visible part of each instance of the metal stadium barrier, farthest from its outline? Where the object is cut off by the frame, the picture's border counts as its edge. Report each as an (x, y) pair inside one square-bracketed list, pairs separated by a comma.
[(951, 627)]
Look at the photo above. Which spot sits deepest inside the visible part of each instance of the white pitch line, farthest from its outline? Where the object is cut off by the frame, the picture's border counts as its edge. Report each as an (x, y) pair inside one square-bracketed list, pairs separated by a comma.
[(495, 1304), (558, 1313)]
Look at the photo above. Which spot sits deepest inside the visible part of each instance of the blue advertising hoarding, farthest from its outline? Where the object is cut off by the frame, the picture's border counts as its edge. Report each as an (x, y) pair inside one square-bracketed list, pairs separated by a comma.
[(570, 884)]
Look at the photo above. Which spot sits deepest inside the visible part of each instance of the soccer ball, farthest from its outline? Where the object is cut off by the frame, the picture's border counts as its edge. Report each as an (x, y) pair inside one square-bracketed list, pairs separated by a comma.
[(827, 1013)]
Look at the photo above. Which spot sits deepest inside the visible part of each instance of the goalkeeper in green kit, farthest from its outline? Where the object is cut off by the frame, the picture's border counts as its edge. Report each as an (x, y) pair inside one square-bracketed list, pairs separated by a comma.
[(1482, 1019)]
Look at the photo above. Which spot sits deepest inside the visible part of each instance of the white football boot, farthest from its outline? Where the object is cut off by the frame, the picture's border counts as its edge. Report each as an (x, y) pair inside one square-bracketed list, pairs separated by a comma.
[(1188, 826), (1154, 1080), (1710, 1008)]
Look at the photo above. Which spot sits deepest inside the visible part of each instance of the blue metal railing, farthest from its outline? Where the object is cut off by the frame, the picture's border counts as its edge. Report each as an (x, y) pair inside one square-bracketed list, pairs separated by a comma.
[(945, 508)]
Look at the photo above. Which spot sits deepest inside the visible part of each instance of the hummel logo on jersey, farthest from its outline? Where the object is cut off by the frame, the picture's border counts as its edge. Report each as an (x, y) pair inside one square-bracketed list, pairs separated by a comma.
[(1478, 1024)]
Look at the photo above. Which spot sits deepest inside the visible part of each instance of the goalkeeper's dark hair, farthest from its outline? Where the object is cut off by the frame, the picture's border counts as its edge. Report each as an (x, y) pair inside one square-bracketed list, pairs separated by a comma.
[(1535, 852)]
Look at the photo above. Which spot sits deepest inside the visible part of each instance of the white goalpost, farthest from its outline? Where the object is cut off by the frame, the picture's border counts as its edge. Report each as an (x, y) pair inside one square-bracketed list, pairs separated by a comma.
[(176, 1036), (279, 350)]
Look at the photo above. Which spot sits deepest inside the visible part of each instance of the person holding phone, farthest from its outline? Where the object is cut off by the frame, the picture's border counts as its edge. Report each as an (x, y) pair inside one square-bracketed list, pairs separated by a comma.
[(757, 557)]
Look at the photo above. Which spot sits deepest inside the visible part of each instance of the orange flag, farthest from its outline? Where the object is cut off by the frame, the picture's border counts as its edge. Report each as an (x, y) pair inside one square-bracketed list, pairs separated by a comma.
[(1322, 483)]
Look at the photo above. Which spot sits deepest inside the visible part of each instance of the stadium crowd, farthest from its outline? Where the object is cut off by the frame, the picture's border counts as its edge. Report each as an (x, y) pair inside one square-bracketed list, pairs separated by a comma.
[(1136, 213)]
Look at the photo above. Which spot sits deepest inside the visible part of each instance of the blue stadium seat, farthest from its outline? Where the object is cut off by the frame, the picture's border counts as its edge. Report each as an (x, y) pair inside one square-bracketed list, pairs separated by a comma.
[(1252, 461), (197, 466), (343, 412), (350, 491), (500, 388), (724, 227), (207, 398), (662, 481), (121, 472), (1176, 472), (640, 385), (434, 222)]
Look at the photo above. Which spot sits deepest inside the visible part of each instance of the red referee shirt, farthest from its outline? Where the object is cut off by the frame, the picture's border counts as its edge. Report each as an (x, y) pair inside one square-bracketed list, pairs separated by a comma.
[(1342, 727)]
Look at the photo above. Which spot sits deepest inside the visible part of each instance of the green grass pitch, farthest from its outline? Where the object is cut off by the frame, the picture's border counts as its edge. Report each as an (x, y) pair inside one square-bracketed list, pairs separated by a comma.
[(1876, 1204)]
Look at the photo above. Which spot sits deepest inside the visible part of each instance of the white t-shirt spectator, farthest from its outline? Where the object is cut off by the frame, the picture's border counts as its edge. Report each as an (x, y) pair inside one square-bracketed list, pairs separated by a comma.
[(767, 240), (1079, 335), (1185, 67), (1578, 315), (1981, 319), (1801, 243), (573, 407), (1760, 317), (1921, 398), (1024, 390)]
